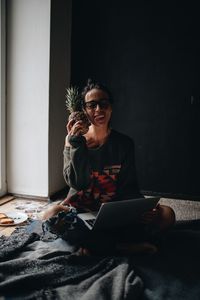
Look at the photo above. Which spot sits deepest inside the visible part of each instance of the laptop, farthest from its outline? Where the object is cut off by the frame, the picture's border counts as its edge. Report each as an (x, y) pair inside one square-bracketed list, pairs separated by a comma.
[(118, 214)]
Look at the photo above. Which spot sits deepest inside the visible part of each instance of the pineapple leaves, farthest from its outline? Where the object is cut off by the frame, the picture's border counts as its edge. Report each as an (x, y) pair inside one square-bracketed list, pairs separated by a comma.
[(73, 99)]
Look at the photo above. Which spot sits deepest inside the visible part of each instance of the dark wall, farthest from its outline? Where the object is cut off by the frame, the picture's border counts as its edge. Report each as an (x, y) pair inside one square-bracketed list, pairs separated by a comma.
[(148, 53)]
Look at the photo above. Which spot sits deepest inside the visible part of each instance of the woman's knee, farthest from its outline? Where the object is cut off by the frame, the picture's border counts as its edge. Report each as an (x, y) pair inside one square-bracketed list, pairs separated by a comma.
[(167, 217)]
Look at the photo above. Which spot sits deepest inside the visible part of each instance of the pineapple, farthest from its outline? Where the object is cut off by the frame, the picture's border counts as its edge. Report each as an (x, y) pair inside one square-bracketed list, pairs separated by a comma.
[(73, 104)]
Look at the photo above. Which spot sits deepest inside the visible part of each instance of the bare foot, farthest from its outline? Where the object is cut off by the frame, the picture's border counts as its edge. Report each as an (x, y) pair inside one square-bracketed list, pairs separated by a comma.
[(83, 252)]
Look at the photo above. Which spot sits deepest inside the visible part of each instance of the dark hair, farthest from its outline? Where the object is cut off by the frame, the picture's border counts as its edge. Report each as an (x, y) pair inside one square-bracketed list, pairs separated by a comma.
[(95, 85)]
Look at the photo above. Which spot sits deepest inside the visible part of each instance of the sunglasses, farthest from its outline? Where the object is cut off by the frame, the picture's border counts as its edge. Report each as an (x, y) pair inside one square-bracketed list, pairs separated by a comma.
[(103, 104)]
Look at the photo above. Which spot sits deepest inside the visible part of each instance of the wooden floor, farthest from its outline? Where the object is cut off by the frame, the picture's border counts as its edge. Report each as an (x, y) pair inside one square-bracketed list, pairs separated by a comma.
[(31, 207)]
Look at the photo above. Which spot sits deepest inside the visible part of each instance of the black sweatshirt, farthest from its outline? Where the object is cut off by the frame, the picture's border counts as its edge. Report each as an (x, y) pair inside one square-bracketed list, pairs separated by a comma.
[(106, 173)]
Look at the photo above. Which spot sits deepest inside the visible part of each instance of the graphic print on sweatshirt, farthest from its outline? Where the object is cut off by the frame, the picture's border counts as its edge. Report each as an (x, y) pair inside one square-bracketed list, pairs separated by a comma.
[(102, 189)]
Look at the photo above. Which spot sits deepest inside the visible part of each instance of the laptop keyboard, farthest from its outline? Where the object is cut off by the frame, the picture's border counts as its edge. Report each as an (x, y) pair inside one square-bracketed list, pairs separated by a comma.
[(90, 221)]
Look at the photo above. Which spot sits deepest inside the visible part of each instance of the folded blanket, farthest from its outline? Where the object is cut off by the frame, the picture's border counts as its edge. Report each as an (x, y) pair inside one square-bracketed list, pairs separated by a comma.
[(37, 266)]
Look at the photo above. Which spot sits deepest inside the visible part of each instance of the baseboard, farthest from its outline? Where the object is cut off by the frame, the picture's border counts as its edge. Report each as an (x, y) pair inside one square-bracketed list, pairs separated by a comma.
[(54, 197), (172, 195), (30, 197), (62, 194)]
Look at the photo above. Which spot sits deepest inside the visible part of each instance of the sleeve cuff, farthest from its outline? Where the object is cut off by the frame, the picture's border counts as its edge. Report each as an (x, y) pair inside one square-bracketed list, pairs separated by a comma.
[(76, 141)]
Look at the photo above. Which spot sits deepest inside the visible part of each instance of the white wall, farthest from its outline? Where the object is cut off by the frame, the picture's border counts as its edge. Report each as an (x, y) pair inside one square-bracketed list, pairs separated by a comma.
[(28, 44), (28, 75)]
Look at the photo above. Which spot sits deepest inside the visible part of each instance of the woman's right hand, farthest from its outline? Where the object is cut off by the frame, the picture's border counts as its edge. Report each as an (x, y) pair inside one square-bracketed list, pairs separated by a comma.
[(74, 128)]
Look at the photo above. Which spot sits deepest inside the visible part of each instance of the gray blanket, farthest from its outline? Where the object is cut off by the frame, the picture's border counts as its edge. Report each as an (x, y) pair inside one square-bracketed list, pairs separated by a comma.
[(34, 269)]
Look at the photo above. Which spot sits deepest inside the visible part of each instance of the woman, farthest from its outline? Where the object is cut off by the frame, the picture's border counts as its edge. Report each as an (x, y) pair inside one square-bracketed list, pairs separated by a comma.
[(99, 163)]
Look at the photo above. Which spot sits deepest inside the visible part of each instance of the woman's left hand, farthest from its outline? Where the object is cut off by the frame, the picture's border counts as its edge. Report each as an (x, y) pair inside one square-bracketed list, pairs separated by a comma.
[(53, 210), (151, 216)]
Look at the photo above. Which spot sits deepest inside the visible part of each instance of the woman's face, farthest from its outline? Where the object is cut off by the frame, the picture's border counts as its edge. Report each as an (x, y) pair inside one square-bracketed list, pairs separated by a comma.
[(98, 107)]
